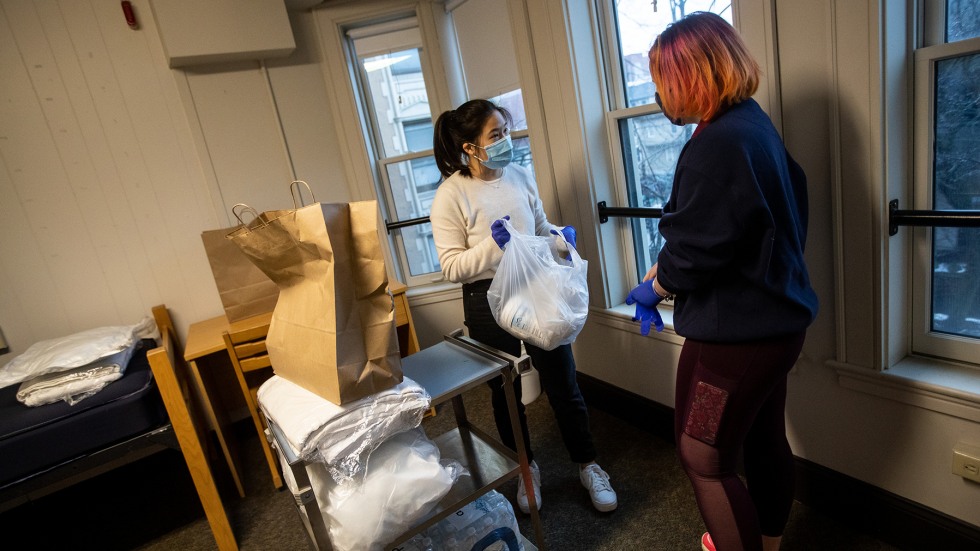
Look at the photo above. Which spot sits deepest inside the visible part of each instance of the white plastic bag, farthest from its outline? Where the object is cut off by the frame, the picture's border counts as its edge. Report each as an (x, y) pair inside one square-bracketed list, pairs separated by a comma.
[(537, 295)]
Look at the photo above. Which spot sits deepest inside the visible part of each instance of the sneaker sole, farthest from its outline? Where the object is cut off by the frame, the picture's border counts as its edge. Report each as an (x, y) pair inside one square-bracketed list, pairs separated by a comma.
[(527, 510), (605, 507)]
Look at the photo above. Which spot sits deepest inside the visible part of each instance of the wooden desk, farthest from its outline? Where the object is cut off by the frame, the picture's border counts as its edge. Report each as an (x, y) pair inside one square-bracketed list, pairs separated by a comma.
[(205, 351), (408, 341)]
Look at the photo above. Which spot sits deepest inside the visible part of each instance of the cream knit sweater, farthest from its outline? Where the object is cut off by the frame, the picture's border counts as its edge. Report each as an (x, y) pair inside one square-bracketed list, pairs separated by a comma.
[(463, 210)]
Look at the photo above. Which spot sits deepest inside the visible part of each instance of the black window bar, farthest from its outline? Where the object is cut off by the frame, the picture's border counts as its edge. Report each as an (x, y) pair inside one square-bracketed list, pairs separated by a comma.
[(896, 217), (934, 218), (405, 223), (628, 212)]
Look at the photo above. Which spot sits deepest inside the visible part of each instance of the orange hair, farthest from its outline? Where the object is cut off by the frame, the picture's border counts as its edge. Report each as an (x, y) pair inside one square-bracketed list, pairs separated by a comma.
[(700, 65)]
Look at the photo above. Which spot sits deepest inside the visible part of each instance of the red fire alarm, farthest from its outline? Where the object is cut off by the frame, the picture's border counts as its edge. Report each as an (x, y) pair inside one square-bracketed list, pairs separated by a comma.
[(127, 8)]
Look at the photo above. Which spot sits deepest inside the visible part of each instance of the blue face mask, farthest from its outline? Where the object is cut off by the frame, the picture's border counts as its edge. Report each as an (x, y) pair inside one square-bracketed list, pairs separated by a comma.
[(499, 153)]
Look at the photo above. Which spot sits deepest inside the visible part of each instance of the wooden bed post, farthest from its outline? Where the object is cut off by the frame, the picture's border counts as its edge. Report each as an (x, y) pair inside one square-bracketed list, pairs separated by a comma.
[(170, 372)]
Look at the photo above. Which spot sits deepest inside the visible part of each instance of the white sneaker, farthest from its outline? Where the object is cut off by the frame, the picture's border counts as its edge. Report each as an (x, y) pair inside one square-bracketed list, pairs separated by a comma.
[(522, 490), (597, 482)]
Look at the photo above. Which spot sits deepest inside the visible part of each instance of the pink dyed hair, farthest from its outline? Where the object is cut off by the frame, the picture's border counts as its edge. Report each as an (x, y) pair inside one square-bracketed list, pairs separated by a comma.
[(700, 65)]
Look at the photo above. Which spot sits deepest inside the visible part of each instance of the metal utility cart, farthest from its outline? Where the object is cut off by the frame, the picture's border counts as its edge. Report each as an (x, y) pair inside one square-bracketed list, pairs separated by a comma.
[(446, 371)]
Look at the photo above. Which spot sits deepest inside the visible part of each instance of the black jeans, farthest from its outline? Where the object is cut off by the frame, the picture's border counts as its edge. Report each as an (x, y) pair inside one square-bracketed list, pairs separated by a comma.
[(556, 370)]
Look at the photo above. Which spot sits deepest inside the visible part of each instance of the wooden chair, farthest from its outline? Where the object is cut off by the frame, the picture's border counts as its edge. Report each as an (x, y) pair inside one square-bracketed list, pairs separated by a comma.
[(248, 354), (177, 389)]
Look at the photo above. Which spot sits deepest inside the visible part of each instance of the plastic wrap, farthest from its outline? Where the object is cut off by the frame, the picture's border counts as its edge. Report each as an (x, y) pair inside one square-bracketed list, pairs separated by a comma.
[(75, 350), (537, 295), (341, 437), (487, 524), (76, 384), (405, 478)]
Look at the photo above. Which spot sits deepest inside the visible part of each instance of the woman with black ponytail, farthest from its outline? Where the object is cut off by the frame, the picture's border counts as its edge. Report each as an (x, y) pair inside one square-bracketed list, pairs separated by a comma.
[(473, 151)]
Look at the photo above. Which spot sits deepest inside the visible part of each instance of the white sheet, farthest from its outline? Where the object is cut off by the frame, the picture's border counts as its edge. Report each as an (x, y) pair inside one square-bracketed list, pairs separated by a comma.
[(74, 385), (75, 350)]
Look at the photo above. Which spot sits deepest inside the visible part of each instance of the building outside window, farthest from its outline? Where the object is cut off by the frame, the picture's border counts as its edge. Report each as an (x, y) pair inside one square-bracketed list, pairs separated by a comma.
[(394, 90)]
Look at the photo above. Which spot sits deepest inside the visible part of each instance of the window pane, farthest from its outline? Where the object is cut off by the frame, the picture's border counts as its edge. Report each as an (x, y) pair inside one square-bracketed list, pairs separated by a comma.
[(956, 177), (522, 153), (962, 20), (651, 145), (513, 102), (413, 186), (418, 134), (638, 25), (420, 249), (396, 91)]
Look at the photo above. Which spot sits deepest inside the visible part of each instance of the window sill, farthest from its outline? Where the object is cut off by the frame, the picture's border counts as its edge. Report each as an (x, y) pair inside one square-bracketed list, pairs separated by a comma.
[(923, 382), (621, 317)]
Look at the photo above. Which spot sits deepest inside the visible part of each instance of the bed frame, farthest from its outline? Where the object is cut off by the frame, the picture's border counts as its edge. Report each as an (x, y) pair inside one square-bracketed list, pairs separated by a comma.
[(186, 431)]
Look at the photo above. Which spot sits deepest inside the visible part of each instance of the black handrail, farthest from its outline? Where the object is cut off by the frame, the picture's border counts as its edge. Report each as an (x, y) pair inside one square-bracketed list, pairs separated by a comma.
[(405, 223), (933, 218), (896, 217), (630, 212)]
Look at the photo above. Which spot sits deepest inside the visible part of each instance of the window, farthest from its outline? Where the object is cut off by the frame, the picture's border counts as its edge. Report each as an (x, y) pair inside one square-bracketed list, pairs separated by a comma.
[(393, 85), (645, 143), (946, 276), (513, 102)]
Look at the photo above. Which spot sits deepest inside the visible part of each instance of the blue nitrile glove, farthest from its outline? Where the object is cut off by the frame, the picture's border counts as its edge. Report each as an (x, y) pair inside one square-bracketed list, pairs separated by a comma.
[(568, 232), (499, 232), (646, 300)]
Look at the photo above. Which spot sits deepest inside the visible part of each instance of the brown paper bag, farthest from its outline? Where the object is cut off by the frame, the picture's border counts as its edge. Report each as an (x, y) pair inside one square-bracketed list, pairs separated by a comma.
[(333, 329), (244, 290)]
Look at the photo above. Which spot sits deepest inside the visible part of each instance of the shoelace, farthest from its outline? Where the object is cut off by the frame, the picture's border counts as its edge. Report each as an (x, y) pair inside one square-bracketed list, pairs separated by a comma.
[(599, 479)]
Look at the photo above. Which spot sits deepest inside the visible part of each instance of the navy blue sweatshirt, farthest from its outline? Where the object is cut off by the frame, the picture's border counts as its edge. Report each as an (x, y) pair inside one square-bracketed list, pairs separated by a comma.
[(735, 228)]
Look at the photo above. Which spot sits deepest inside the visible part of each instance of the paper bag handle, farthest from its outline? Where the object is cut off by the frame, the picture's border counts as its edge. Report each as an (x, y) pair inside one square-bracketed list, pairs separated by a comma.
[(241, 208), (297, 193)]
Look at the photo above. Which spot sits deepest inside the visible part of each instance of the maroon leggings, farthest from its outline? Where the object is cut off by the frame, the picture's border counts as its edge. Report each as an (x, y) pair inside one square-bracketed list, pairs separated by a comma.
[(731, 398)]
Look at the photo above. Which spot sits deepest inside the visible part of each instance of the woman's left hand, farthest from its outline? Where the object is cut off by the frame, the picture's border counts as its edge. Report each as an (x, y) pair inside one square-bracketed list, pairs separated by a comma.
[(651, 273), (568, 232)]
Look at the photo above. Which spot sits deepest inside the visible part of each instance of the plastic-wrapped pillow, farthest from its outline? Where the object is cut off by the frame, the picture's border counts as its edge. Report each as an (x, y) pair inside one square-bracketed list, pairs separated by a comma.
[(76, 350), (404, 481), (341, 436)]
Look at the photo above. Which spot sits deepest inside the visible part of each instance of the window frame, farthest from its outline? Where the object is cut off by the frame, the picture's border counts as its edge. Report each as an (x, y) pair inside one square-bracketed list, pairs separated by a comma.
[(375, 151), (933, 49), (618, 109), (871, 166)]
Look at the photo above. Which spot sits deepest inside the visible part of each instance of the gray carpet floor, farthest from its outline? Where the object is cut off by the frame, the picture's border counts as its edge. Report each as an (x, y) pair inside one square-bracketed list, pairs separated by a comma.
[(151, 504)]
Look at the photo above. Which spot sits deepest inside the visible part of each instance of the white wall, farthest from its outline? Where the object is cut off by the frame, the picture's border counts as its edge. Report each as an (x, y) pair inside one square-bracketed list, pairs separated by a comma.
[(111, 164)]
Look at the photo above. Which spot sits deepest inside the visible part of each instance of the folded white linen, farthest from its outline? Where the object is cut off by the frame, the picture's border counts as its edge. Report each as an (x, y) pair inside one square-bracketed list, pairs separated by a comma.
[(76, 350), (71, 386), (74, 385), (341, 436)]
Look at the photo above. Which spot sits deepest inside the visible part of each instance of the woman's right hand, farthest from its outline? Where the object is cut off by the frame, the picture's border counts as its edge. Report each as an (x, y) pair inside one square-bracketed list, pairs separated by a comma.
[(499, 232)]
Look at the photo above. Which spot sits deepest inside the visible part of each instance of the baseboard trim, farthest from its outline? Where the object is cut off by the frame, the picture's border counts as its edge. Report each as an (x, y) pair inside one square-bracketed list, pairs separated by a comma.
[(854, 503)]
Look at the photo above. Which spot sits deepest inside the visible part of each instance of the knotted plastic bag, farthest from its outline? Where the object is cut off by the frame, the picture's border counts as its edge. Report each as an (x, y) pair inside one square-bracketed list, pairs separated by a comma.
[(537, 295)]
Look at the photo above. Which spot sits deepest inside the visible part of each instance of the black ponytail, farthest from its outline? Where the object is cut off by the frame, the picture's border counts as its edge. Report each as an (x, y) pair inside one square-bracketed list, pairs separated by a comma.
[(457, 127)]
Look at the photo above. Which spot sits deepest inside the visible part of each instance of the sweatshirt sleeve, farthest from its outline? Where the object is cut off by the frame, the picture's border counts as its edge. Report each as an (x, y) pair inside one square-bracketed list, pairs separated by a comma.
[(458, 262), (701, 231)]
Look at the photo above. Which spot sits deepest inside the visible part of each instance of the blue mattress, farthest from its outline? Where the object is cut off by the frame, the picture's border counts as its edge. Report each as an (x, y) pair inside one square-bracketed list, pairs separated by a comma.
[(35, 439)]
